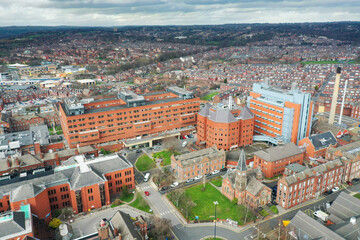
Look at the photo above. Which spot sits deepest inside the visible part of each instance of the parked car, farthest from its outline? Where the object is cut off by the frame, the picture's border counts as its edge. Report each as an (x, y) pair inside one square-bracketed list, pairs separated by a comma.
[(147, 193), (215, 172), (322, 215), (349, 183), (138, 151), (327, 192), (198, 177), (335, 189), (146, 177), (355, 180), (223, 169), (175, 184), (207, 174), (190, 180), (164, 188)]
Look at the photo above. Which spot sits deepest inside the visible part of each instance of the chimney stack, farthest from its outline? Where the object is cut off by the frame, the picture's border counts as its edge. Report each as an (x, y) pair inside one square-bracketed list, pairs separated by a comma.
[(335, 96)]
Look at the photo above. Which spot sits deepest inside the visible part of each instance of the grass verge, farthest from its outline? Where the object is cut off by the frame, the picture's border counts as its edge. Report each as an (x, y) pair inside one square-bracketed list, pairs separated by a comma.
[(209, 96), (166, 156), (217, 181), (145, 163), (140, 204)]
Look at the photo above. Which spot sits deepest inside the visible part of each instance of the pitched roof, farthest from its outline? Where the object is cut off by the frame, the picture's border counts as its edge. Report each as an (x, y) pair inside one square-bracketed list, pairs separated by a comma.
[(345, 206), (205, 111), (222, 115), (246, 113), (26, 191), (278, 152), (13, 226), (242, 161), (306, 227), (323, 140), (254, 186), (123, 223)]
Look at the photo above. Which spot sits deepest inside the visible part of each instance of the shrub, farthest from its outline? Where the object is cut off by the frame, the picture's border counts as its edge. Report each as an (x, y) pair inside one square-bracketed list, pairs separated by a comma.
[(56, 213), (274, 209), (55, 223), (235, 201)]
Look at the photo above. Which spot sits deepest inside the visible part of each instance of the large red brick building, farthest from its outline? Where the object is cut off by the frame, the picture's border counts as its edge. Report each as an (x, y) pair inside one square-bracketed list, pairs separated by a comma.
[(272, 161), (82, 183), (227, 127), (308, 184), (128, 116)]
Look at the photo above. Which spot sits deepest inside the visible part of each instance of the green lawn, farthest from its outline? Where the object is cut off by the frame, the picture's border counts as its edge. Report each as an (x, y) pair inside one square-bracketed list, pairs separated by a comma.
[(166, 156), (357, 195), (274, 209), (217, 181), (127, 198), (145, 163), (140, 203), (209, 96), (205, 209), (57, 128)]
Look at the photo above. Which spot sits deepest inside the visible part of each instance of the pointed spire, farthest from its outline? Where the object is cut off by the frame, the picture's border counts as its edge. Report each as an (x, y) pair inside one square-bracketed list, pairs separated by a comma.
[(242, 161)]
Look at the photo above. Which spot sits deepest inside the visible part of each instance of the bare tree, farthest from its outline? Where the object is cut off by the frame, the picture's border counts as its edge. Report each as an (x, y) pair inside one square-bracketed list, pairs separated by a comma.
[(171, 143), (160, 227), (176, 196), (188, 204)]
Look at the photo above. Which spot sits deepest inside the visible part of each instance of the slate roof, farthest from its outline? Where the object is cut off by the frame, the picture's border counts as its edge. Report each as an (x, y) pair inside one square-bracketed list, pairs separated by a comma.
[(77, 175), (246, 113), (26, 191), (13, 226), (278, 152), (222, 115), (123, 223), (348, 230), (345, 206), (254, 186), (242, 161), (295, 167), (306, 227), (323, 140), (195, 157)]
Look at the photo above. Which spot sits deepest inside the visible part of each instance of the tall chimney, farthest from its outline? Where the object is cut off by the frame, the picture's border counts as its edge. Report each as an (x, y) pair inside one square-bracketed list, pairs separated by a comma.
[(335, 96), (342, 103)]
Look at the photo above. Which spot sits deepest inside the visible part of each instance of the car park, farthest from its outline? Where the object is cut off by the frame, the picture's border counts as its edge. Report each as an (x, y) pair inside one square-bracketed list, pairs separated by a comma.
[(147, 193), (215, 172), (175, 184), (335, 189), (198, 177)]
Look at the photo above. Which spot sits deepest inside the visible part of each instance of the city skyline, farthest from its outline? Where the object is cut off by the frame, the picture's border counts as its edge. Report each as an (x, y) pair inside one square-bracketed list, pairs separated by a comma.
[(170, 12)]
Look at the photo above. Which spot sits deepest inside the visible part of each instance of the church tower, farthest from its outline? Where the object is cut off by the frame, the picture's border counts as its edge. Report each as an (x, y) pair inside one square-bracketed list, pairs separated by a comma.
[(241, 178)]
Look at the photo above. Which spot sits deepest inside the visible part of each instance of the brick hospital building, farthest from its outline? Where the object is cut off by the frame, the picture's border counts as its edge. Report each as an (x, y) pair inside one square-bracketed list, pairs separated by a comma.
[(129, 116)]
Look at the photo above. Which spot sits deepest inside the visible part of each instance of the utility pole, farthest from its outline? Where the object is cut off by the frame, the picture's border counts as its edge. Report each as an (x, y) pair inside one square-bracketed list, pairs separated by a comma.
[(279, 229), (215, 203)]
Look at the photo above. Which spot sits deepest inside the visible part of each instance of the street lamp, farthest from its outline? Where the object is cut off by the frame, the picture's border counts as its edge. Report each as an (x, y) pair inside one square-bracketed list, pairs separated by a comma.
[(215, 203)]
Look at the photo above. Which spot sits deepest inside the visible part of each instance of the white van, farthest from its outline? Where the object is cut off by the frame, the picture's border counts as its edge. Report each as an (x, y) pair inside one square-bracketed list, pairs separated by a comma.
[(146, 177), (184, 144)]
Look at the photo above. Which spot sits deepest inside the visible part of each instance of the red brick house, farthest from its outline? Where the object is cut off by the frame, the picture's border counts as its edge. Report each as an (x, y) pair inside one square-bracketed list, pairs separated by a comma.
[(316, 145)]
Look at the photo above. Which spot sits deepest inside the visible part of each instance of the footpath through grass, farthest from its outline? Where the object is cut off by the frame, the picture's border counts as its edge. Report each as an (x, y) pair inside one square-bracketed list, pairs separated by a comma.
[(205, 208), (145, 163), (140, 204), (209, 96), (166, 156)]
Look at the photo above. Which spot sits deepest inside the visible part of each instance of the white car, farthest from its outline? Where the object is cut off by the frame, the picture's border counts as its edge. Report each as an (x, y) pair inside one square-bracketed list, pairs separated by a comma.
[(215, 172), (175, 184), (198, 177), (335, 189)]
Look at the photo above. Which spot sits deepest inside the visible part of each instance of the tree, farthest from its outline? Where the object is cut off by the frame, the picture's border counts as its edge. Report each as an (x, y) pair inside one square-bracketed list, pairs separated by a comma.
[(316, 87), (188, 204), (171, 143), (176, 196), (225, 80), (160, 227), (55, 223)]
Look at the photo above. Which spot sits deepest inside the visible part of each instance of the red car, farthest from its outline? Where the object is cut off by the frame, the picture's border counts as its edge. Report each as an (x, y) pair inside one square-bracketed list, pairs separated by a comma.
[(147, 193), (349, 183)]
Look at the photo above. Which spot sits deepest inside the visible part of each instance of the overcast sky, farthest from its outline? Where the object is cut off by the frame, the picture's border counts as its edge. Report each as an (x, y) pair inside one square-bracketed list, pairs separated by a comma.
[(169, 12)]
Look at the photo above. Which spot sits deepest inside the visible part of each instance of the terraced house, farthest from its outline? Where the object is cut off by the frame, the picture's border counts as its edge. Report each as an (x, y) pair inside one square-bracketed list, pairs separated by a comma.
[(309, 183)]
